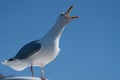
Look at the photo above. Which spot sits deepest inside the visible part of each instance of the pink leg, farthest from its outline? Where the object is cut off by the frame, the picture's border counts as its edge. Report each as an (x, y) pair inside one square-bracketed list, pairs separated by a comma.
[(42, 73), (31, 69)]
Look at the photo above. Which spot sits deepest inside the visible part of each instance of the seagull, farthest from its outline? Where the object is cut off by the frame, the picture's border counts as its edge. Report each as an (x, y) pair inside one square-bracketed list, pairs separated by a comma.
[(42, 51)]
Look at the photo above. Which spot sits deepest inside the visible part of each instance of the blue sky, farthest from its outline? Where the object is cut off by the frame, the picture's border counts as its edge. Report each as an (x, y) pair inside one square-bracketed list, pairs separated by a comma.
[(90, 45)]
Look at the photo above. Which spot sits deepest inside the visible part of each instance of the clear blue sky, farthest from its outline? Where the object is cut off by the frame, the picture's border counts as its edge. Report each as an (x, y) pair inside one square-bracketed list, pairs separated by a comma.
[(90, 45)]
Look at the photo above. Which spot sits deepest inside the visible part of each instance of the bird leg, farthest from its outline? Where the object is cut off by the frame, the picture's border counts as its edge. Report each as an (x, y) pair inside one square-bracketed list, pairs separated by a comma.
[(42, 73), (31, 69)]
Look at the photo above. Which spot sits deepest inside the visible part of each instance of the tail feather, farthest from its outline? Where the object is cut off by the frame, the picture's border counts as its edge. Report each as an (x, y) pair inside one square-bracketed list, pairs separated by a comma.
[(16, 64)]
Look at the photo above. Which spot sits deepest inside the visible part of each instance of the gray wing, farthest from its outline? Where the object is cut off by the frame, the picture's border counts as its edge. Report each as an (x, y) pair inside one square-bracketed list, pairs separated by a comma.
[(28, 50)]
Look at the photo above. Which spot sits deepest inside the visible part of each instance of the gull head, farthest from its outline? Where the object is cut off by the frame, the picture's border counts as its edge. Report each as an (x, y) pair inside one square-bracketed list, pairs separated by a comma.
[(64, 18)]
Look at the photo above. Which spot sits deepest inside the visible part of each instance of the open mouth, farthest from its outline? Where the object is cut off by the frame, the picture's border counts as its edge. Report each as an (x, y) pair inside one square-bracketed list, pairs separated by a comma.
[(68, 12)]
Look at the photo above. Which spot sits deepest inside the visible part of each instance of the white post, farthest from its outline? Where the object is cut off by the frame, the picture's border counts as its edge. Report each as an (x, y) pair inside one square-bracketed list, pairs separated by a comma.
[(21, 78)]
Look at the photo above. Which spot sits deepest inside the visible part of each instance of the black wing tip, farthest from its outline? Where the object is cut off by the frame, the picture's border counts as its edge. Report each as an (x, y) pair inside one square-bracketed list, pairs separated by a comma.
[(11, 59)]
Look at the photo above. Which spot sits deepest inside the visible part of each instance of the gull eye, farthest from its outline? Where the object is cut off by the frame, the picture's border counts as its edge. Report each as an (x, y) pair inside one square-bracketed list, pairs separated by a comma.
[(61, 14)]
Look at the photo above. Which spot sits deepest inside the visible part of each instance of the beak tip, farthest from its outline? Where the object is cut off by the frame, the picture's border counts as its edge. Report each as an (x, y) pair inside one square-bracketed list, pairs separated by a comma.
[(74, 17), (72, 6), (77, 16), (69, 10)]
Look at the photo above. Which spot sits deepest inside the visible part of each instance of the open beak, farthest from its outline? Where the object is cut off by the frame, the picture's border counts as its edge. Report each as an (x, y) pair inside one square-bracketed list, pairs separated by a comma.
[(68, 12)]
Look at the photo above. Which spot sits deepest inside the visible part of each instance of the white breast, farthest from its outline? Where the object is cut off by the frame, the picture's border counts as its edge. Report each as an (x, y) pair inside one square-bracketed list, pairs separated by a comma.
[(47, 54)]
